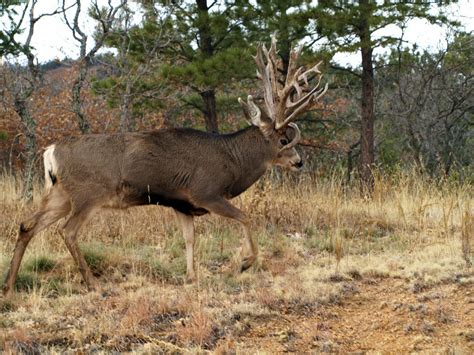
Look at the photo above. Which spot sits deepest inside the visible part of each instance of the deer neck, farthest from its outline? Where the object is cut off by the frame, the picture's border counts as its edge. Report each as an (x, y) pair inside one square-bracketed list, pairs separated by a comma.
[(251, 155)]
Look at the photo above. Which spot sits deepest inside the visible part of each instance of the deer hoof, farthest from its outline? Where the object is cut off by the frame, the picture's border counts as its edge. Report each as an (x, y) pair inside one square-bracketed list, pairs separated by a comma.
[(23, 228), (246, 263), (190, 279), (93, 286), (7, 292)]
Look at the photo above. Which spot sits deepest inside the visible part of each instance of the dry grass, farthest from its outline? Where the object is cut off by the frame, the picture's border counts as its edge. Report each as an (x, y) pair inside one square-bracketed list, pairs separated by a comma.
[(320, 243)]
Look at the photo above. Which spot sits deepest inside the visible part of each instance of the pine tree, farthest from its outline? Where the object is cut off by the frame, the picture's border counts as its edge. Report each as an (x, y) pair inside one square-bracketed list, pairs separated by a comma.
[(10, 27), (209, 51), (350, 27), (292, 20)]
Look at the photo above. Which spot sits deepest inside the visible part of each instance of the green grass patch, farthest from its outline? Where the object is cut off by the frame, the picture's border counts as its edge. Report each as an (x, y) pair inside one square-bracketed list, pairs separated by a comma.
[(219, 247), (160, 270), (55, 285), (177, 266), (276, 243), (174, 245), (6, 323), (96, 258), (320, 242), (163, 268), (6, 305), (26, 281), (231, 284), (40, 264)]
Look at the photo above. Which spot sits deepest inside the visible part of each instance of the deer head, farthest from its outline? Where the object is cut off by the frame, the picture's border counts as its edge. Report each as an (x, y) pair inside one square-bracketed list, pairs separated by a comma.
[(284, 97)]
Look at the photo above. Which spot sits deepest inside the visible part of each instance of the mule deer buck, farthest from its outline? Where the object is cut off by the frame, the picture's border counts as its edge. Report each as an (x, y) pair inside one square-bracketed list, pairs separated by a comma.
[(191, 171)]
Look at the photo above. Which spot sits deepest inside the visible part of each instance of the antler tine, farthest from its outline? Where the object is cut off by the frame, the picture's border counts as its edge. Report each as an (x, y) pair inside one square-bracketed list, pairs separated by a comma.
[(287, 98), (251, 111), (290, 105), (313, 95), (292, 68), (296, 80), (314, 69), (290, 82), (263, 71), (246, 109), (294, 85), (294, 108), (274, 65)]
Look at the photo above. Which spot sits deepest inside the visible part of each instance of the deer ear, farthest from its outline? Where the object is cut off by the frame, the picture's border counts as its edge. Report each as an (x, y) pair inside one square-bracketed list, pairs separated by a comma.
[(254, 115)]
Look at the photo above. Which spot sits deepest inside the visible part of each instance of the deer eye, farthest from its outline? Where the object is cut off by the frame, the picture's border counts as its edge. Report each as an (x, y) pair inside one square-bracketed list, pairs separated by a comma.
[(283, 141)]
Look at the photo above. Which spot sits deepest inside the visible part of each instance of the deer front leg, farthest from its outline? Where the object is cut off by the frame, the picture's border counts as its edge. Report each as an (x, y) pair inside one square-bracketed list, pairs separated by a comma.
[(224, 208), (54, 206), (187, 226), (251, 248)]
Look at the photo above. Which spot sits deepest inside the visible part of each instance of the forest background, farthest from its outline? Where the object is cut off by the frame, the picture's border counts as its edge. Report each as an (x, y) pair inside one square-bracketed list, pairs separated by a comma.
[(149, 64)]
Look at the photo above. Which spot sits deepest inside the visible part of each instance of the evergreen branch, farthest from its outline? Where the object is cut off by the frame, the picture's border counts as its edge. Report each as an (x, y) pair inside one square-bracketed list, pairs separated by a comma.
[(193, 104)]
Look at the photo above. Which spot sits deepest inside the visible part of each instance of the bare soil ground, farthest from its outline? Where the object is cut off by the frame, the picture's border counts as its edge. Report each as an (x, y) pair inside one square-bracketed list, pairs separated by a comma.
[(381, 316), (369, 314)]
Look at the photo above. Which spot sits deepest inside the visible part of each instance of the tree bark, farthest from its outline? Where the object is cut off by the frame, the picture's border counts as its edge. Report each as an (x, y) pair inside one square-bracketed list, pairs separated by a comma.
[(105, 23), (350, 161), (367, 102), (210, 110), (205, 43), (29, 131), (22, 96), (77, 101), (126, 122)]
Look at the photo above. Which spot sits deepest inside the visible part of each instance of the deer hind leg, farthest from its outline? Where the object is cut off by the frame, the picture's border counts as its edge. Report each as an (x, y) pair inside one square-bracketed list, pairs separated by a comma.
[(224, 208), (71, 228), (187, 226), (54, 206)]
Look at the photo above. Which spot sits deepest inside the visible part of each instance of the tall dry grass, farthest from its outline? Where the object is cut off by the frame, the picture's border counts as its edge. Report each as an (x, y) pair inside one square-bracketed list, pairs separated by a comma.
[(406, 212), (313, 235)]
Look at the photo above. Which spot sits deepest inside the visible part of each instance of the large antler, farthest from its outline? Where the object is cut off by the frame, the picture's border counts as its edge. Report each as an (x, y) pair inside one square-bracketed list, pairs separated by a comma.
[(285, 97)]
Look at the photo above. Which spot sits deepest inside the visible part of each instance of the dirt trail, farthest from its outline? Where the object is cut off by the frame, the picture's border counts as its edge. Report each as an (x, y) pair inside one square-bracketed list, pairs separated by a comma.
[(386, 315)]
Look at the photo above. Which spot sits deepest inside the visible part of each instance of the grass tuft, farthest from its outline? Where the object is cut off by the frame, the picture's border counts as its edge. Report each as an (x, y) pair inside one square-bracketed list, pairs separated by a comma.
[(6, 305), (26, 281), (96, 258), (160, 270), (40, 264)]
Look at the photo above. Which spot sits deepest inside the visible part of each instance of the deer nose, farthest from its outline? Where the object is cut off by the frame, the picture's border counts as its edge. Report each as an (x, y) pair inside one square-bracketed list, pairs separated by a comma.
[(299, 164)]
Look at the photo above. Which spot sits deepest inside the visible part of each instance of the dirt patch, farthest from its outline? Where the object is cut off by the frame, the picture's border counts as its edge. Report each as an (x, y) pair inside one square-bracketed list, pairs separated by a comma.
[(384, 316)]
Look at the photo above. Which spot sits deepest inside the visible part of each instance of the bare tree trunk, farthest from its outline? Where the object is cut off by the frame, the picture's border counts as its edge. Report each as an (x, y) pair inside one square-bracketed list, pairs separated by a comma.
[(81, 38), (367, 121), (210, 110), (105, 19), (126, 122), (367, 105), (27, 81), (29, 131), (350, 161), (77, 101), (207, 48), (25, 87)]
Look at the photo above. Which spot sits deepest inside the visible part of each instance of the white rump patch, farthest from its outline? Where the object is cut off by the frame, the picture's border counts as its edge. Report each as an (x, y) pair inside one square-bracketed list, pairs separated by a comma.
[(50, 166)]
